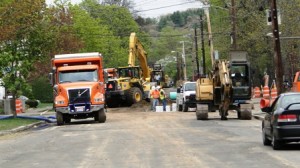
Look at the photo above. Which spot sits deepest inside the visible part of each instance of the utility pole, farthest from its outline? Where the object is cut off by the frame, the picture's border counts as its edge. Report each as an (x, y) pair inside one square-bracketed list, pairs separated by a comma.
[(277, 50), (196, 48), (183, 61), (178, 76), (206, 10), (202, 47), (233, 22)]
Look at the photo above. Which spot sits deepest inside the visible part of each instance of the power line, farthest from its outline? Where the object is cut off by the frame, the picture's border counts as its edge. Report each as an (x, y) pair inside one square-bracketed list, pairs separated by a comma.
[(123, 35), (163, 7), (145, 2)]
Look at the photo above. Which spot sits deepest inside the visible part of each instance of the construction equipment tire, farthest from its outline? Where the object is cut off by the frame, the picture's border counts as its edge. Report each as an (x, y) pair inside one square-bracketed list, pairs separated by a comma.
[(185, 107), (134, 95), (179, 107), (246, 115), (201, 115)]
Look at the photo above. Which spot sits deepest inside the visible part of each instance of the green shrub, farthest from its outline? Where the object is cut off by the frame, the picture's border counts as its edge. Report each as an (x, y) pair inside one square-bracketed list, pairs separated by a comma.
[(32, 103), (42, 90)]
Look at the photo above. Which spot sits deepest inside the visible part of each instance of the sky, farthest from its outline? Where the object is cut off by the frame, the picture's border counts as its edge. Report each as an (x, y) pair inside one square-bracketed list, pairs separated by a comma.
[(156, 8)]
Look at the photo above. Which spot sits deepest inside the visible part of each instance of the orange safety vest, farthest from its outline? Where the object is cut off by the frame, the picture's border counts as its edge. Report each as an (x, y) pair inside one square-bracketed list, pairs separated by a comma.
[(155, 94)]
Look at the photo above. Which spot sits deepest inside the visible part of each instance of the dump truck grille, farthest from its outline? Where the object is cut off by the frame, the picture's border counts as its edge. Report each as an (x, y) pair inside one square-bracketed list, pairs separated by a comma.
[(79, 95)]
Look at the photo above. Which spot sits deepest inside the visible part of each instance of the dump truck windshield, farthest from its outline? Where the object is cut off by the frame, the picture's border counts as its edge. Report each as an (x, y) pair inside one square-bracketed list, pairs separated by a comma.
[(78, 76)]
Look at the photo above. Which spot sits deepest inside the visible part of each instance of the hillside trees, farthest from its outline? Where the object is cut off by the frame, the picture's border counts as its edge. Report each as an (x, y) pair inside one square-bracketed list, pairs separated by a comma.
[(290, 28), (96, 37), (167, 41), (252, 30), (121, 23)]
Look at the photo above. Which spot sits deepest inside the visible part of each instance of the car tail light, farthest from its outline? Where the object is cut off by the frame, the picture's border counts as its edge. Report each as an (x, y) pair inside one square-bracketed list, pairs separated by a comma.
[(287, 118)]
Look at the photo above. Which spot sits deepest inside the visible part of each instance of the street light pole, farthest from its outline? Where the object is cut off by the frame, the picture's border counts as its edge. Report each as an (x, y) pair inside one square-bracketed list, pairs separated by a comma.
[(179, 65)]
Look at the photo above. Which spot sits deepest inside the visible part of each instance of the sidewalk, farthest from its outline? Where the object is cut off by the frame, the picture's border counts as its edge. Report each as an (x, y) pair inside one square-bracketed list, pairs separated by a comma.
[(38, 111), (256, 112)]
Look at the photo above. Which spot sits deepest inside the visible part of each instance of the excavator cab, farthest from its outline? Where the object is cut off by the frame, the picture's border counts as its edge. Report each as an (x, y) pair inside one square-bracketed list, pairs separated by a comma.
[(241, 85), (130, 72), (239, 75)]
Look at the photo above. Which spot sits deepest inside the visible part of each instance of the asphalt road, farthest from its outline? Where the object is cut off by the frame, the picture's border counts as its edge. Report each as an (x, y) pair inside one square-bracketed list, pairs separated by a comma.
[(134, 138)]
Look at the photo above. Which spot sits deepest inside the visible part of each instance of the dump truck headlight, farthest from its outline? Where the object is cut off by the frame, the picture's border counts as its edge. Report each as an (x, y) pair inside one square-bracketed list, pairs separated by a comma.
[(60, 102), (99, 98)]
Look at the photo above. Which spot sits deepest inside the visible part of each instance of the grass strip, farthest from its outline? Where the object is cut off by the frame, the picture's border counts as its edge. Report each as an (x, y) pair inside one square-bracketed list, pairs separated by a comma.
[(11, 123)]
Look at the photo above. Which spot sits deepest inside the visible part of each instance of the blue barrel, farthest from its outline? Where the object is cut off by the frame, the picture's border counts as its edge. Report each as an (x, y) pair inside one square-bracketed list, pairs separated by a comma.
[(173, 95)]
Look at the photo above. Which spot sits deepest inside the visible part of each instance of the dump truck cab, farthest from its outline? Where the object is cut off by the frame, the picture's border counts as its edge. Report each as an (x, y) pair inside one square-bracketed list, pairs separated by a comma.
[(78, 87)]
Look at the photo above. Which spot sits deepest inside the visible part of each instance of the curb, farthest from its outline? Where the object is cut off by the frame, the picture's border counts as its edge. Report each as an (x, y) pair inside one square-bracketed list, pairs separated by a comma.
[(21, 128), (258, 117)]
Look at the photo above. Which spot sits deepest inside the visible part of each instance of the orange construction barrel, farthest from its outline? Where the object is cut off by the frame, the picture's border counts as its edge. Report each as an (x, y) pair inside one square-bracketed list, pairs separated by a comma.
[(19, 108), (256, 92), (274, 93), (266, 92)]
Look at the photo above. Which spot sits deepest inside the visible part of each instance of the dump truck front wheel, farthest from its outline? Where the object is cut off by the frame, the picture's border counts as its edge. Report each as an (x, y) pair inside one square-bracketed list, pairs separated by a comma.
[(100, 116), (59, 118)]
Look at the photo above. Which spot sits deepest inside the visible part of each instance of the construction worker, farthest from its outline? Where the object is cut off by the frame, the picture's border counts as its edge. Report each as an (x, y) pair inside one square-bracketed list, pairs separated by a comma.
[(162, 97), (155, 98), (266, 79), (151, 98)]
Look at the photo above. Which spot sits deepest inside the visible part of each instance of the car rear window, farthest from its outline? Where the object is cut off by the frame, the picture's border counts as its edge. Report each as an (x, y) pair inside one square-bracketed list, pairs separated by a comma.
[(289, 99)]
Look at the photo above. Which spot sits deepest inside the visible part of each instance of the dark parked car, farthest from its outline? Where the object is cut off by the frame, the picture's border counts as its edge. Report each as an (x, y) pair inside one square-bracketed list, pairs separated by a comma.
[(282, 120)]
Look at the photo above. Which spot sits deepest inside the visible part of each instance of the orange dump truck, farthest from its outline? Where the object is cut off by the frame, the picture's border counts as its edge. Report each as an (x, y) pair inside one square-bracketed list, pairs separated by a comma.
[(78, 87)]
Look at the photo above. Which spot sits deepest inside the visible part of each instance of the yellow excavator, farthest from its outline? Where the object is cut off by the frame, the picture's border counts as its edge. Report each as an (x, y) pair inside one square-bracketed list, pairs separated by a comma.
[(158, 75), (228, 87), (133, 82)]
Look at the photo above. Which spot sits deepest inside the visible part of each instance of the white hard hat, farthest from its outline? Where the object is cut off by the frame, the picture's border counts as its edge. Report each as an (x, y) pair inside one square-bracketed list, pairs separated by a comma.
[(157, 87), (153, 87)]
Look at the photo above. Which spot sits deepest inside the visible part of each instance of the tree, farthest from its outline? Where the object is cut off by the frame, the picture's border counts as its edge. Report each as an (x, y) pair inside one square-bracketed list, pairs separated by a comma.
[(121, 24), (97, 37), (177, 19), (61, 34), (23, 41), (122, 3)]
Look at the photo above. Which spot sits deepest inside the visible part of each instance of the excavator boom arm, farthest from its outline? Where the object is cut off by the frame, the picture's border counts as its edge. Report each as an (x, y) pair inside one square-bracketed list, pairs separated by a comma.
[(223, 76), (136, 50)]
